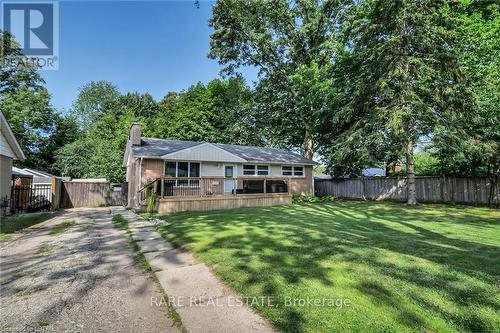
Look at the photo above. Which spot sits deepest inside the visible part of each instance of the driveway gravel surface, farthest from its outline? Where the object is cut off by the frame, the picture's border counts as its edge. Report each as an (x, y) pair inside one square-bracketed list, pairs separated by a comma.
[(85, 279)]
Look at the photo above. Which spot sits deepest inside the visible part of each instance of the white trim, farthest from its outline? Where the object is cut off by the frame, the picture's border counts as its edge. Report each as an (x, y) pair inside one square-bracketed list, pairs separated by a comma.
[(11, 139), (235, 169), (177, 167), (233, 179), (293, 171), (172, 155), (256, 169), (125, 162)]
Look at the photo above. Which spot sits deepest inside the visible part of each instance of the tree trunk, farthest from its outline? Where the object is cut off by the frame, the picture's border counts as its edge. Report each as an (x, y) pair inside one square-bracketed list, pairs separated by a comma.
[(493, 185), (308, 144), (410, 174)]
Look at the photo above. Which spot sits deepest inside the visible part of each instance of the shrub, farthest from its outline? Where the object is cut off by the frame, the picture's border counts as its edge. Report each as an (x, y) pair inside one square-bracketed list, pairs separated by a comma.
[(151, 203), (299, 199)]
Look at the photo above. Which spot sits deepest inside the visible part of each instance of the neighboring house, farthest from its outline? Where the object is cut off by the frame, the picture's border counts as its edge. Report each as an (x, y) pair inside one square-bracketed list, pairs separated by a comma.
[(39, 177), (367, 172), (374, 172), (322, 176), (186, 170), (9, 151)]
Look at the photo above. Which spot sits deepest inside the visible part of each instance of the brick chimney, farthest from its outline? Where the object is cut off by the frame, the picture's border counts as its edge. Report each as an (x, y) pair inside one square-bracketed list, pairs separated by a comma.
[(135, 134)]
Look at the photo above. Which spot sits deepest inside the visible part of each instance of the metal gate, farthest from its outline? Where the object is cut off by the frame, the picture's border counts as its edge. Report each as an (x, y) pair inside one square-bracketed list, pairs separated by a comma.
[(30, 198)]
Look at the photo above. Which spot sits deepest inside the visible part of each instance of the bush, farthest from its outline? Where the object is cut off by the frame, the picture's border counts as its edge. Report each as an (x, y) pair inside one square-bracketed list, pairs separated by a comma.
[(299, 199), (151, 202)]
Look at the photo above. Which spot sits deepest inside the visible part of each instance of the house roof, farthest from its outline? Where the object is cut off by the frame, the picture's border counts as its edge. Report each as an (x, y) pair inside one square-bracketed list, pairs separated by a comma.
[(20, 172), (38, 173), (39, 176), (322, 176), (156, 148), (11, 140)]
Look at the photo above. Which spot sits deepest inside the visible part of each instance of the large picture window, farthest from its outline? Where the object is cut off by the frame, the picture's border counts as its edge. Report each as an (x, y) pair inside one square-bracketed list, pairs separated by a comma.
[(184, 170)]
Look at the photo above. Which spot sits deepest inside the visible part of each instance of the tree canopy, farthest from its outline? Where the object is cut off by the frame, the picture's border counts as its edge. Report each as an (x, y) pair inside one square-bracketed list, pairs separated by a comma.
[(354, 83), (217, 112), (290, 43)]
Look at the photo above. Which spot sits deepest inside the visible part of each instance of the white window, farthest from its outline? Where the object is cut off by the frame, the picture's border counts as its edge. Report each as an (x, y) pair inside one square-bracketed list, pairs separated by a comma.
[(252, 170), (298, 171), (286, 171), (249, 170), (184, 170), (292, 171), (262, 170)]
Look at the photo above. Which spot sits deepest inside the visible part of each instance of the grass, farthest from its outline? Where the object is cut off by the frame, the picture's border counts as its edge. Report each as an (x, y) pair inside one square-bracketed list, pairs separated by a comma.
[(122, 223), (15, 223), (433, 268), (62, 227), (46, 249)]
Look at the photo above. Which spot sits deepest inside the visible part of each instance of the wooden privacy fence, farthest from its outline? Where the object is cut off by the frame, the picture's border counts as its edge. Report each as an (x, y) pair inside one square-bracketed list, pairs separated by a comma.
[(429, 189), (92, 194)]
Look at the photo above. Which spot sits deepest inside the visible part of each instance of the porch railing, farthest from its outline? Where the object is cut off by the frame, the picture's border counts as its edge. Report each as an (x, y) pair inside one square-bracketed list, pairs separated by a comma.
[(170, 187)]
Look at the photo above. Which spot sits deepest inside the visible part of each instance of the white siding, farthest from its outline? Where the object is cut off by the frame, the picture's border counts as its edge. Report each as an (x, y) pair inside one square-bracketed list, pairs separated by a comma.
[(5, 149), (212, 169), (275, 170), (203, 152)]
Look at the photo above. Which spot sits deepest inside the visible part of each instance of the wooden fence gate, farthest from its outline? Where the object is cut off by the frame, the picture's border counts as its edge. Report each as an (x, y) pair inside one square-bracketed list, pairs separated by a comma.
[(92, 194)]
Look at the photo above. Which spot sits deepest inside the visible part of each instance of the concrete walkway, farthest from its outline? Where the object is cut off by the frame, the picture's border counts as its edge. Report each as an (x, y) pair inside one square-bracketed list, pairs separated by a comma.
[(85, 279), (202, 301)]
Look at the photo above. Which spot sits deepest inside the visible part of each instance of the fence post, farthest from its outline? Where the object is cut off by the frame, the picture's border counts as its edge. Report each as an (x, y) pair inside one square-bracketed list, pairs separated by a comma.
[(453, 189), (55, 188), (443, 177), (363, 196), (162, 187)]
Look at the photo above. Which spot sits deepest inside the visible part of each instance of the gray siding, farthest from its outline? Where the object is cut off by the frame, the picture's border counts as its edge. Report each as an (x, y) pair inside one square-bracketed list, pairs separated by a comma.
[(5, 149), (5, 176)]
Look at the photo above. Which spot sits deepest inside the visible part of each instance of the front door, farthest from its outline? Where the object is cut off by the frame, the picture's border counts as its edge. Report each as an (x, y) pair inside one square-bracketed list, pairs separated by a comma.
[(229, 182)]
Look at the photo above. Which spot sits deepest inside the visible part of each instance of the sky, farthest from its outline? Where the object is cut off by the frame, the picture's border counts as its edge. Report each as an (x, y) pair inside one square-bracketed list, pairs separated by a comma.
[(143, 46)]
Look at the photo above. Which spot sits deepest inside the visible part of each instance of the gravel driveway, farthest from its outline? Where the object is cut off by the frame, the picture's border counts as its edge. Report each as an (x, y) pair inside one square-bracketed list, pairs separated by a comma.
[(84, 279)]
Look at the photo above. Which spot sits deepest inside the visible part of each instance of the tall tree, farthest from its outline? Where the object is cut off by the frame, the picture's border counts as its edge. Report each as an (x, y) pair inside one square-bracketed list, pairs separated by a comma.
[(282, 39), (221, 111), (91, 157), (65, 131), (95, 100), (473, 147), (404, 83), (25, 101)]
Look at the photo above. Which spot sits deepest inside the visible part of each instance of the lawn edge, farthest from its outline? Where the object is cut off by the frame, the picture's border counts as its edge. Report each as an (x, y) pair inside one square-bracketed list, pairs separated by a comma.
[(121, 222)]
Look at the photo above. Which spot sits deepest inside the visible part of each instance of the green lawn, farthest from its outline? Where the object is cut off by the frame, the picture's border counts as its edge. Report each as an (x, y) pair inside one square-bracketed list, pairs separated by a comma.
[(432, 268), (15, 223)]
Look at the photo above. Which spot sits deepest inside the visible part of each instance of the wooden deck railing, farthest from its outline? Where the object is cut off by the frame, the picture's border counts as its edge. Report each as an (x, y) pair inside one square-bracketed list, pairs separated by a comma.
[(166, 187)]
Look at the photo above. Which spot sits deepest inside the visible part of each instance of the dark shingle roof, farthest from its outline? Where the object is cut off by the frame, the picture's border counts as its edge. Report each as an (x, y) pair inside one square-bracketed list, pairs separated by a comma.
[(159, 147)]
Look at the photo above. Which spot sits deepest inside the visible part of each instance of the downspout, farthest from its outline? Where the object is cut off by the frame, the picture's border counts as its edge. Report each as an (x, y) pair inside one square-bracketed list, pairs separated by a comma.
[(138, 182), (140, 176), (313, 182)]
